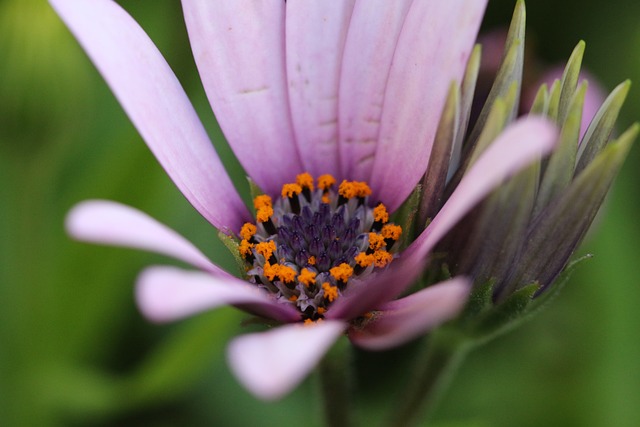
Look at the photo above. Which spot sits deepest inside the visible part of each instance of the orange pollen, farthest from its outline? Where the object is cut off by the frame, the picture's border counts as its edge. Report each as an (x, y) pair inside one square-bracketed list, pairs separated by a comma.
[(311, 260), (362, 189), (262, 201), (248, 230), (308, 322), (293, 298), (380, 213), (347, 189), (342, 272), (364, 260), (326, 199), (391, 231), (245, 248), (376, 241), (284, 273), (271, 271), (322, 310), (264, 213), (330, 292), (305, 180), (287, 274), (326, 181), (382, 258), (288, 190), (307, 277), (266, 249)]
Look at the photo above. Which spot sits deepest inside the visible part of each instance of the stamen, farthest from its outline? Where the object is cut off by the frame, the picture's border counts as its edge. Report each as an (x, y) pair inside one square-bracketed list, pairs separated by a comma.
[(305, 180), (289, 190), (380, 213), (348, 189), (287, 274), (391, 234), (248, 230), (307, 277), (364, 259), (342, 273), (382, 258), (380, 217), (391, 231), (245, 250), (330, 292), (266, 249), (325, 182), (376, 241)]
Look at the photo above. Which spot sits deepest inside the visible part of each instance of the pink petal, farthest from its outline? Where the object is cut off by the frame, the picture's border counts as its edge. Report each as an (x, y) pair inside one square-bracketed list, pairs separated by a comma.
[(370, 45), (270, 364), (521, 143), (111, 223), (239, 47), (315, 38), (165, 294), (402, 320), (157, 105), (432, 51)]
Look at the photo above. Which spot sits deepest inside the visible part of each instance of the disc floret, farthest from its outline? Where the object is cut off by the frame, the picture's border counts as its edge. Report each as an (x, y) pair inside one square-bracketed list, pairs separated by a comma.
[(311, 243)]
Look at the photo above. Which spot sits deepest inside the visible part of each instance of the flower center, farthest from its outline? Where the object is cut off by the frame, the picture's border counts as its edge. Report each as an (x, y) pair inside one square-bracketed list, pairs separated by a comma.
[(314, 240)]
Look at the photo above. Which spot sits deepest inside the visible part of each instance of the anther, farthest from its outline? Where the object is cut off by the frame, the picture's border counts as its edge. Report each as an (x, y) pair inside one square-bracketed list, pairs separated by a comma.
[(305, 181)]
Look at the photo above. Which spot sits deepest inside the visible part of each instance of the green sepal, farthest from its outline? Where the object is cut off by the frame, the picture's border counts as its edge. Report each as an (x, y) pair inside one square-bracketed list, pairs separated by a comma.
[(480, 300), (433, 183), (510, 71), (570, 81), (501, 226), (505, 316), (541, 101), (405, 216), (599, 131), (553, 290), (559, 168), (233, 245), (467, 93), (554, 100), (254, 189), (493, 126), (554, 234)]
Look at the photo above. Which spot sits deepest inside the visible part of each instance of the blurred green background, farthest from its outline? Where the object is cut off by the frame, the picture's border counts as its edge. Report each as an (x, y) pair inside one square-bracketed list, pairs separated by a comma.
[(74, 351)]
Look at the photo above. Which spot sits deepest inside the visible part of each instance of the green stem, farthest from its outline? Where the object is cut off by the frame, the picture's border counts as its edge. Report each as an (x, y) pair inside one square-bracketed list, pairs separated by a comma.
[(335, 385), (433, 373)]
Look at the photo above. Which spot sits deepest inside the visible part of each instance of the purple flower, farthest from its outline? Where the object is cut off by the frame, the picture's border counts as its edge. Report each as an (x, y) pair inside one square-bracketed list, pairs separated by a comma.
[(353, 89)]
